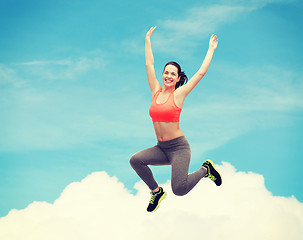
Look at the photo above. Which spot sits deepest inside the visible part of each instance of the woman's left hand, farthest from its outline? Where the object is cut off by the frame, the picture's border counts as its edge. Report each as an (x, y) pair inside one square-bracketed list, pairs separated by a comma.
[(213, 42)]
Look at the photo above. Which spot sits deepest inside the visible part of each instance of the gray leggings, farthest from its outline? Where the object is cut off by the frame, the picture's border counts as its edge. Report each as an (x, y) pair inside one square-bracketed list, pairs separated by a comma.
[(175, 152)]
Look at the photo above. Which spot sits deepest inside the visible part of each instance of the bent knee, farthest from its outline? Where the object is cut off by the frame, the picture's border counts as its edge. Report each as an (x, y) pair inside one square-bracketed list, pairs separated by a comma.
[(134, 160), (179, 190)]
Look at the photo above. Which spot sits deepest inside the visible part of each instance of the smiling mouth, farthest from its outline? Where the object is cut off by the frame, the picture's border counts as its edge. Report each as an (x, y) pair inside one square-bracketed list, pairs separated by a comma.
[(168, 81)]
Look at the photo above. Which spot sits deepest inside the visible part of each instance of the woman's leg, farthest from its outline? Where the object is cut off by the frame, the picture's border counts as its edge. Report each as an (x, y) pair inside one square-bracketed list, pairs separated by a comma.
[(178, 153), (181, 181), (150, 156)]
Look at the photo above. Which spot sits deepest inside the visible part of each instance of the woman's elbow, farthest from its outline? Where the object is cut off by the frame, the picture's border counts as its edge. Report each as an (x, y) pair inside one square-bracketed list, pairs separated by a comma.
[(201, 74)]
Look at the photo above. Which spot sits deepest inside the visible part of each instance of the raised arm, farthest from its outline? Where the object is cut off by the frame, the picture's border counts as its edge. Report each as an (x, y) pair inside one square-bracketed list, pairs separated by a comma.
[(149, 62), (188, 87)]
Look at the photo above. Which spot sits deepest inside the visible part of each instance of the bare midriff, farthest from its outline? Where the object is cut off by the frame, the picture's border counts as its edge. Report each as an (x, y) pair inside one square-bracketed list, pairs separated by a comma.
[(167, 130)]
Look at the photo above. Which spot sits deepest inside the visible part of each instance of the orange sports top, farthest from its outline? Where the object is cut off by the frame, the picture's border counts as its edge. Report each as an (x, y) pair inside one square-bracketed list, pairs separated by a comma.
[(164, 112)]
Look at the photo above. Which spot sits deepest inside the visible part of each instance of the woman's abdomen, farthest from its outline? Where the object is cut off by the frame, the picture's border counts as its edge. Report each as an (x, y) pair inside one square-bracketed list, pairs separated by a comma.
[(167, 130)]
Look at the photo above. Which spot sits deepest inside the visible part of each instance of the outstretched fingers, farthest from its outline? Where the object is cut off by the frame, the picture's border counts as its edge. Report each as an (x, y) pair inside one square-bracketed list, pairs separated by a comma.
[(214, 38), (150, 31), (213, 42)]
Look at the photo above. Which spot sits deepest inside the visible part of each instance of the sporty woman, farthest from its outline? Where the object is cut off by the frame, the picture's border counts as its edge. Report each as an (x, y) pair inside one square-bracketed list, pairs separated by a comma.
[(172, 147)]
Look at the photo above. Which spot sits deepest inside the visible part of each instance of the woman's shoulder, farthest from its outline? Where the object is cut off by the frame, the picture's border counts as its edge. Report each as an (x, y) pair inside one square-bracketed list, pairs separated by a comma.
[(179, 97), (155, 92)]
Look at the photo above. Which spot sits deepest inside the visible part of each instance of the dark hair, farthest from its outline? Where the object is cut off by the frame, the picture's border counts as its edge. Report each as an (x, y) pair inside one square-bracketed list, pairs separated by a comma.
[(183, 77)]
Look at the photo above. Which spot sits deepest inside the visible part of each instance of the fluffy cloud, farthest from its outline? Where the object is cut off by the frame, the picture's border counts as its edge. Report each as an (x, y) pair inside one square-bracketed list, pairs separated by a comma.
[(99, 207)]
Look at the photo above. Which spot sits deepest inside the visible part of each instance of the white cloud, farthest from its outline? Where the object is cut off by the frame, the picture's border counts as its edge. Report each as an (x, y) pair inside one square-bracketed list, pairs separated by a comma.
[(180, 34), (253, 4), (66, 69), (8, 76), (100, 207), (199, 23), (66, 62)]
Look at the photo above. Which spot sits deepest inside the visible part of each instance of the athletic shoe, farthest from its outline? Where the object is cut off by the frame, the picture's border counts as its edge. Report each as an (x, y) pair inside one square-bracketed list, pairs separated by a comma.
[(212, 173), (156, 198)]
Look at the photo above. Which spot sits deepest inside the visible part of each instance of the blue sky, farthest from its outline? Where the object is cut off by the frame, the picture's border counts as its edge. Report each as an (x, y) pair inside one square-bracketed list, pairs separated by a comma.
[(74, 96)]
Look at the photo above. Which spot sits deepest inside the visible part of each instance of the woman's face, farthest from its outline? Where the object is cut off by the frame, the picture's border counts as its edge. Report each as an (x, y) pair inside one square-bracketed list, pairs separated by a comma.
[(170, 76)]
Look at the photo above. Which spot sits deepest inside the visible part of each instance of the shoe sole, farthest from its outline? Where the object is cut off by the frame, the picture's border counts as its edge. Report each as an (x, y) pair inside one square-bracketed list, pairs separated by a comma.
[(213, 165), (161, 198)]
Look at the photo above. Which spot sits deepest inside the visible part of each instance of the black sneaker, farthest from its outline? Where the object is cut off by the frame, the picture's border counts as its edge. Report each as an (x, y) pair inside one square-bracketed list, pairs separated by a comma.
[(212, 173), (155, 200)]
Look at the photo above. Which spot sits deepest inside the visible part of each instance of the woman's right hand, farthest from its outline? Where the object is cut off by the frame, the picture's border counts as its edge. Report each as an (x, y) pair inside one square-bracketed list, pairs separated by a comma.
[(150, 32)]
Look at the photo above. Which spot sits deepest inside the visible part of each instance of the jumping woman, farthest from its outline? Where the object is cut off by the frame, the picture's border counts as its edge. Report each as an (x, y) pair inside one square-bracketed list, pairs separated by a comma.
[(172, 147)]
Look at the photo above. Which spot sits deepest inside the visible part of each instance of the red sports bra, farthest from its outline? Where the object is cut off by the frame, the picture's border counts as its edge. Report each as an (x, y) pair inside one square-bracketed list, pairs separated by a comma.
[(164, 112)]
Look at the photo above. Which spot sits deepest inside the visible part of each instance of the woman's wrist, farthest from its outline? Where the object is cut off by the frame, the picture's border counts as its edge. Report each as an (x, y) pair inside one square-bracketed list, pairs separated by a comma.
[(211, 49)]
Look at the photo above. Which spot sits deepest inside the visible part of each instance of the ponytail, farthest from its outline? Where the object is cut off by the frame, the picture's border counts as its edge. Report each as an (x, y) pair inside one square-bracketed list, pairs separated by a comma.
[(183, 77), (183, 80)]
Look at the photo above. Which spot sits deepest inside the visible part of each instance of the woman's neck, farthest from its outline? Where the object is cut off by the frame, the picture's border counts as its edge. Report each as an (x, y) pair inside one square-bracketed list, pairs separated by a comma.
[(168, 89)]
